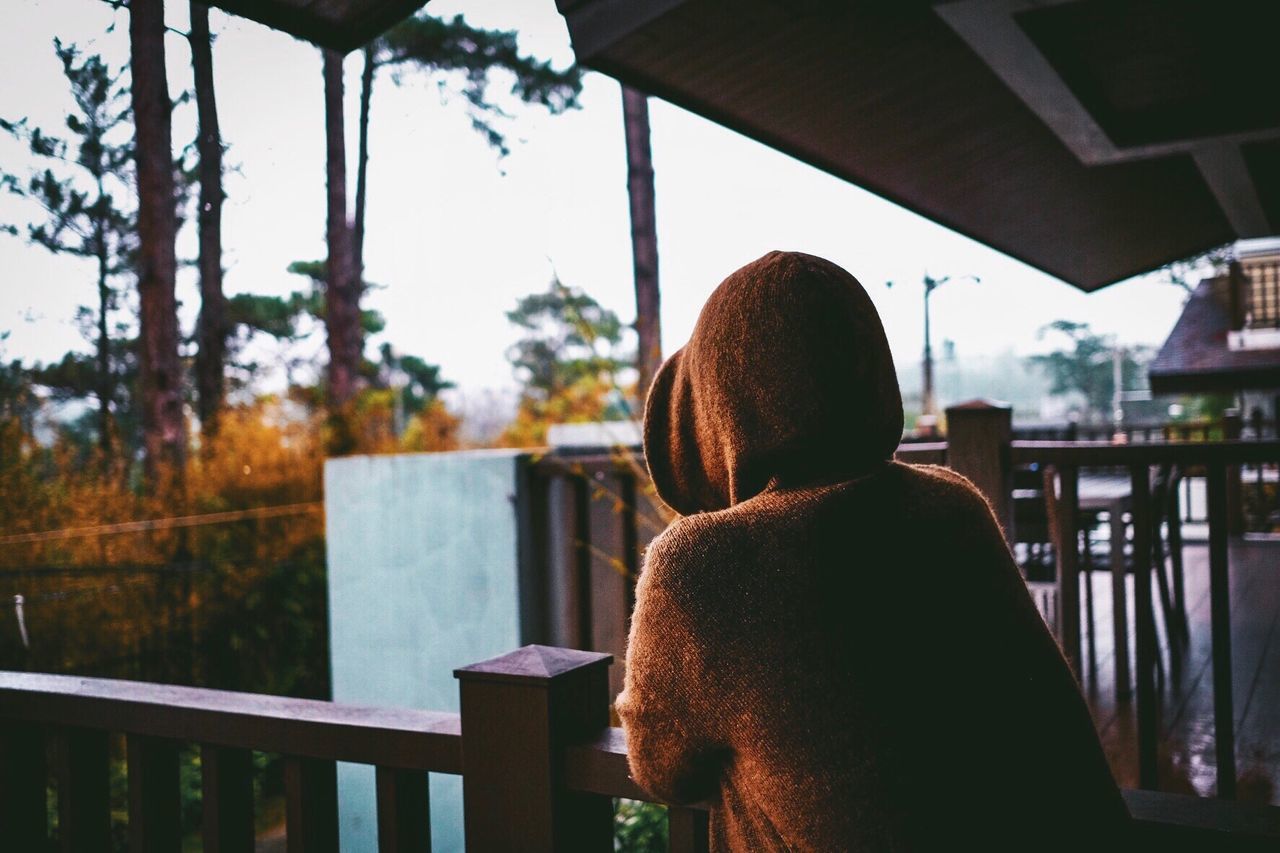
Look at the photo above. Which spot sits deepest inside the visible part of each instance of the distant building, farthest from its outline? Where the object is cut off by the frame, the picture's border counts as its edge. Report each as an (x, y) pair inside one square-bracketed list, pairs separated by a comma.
[(1227, 340)]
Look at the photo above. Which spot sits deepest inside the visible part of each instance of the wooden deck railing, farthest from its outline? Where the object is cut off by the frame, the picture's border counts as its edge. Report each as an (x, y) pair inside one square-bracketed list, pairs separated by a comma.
[(540, 766), (1221, 460)]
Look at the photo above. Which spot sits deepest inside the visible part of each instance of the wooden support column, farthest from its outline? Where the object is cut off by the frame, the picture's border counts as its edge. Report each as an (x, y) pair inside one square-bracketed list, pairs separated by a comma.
[(519, 712), (978, 437)]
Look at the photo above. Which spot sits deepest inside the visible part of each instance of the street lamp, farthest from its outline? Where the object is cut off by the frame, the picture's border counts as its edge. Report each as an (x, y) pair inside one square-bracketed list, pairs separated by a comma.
[(928, 408)]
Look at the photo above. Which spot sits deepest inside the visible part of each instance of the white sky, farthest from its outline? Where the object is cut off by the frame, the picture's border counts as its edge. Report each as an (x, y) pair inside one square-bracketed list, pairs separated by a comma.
[(456, 237)]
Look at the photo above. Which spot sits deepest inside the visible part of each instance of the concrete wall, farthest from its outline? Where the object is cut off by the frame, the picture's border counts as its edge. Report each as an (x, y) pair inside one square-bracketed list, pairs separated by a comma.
[(423, 578)]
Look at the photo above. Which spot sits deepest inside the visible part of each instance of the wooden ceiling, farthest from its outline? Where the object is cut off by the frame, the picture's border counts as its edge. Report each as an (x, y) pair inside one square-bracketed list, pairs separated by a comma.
[(1093, 139), (340, 24)]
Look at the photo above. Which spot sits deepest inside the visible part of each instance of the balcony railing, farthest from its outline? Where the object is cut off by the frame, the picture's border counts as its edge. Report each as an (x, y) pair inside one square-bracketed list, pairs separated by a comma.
[(540, 765)]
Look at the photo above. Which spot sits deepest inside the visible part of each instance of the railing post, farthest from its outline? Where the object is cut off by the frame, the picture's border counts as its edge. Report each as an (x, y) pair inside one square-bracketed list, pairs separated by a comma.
[(23, 816), (84, 806), (1146, 646), (519, 711), (1065, 528), (1233, 428), (155, 803), (1217, 486), (311, 805), (227, 792), (978, 436)]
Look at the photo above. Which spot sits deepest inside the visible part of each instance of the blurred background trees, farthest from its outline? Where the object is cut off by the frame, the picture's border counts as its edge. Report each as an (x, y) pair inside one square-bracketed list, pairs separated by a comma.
[(569, 362), (83, 202)]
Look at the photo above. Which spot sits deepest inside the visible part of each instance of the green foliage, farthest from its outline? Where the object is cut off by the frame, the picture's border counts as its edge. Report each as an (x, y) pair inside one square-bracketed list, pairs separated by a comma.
[(468, 55), (639, 827), (568, 337), (420, 382), (312, 301), (568, 362), (1087, 366), (83, 207), (1187, 272)]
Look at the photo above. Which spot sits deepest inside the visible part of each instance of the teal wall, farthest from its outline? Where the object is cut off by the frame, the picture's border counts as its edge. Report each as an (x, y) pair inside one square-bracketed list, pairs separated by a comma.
[(423, 578)]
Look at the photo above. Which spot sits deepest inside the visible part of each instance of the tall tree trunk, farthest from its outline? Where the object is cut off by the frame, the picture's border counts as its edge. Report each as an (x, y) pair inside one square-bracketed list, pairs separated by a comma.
[(644, 237), (106, 383), (212, 326), (362, 164), (342, 292), (161, 380)]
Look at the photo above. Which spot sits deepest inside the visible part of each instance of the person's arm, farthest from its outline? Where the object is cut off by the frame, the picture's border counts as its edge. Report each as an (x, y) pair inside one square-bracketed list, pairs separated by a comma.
[(668, 708)]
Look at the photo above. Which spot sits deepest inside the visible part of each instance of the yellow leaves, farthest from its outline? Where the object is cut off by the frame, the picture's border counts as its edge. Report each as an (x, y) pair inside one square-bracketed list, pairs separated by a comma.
[(585, 401)]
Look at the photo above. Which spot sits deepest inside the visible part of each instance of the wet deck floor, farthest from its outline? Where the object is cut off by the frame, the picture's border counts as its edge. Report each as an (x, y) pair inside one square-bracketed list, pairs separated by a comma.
[(1187, 759)]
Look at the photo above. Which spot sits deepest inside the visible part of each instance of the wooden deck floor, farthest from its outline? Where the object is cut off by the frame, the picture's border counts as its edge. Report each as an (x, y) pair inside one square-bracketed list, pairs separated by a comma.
[(1187, 762)]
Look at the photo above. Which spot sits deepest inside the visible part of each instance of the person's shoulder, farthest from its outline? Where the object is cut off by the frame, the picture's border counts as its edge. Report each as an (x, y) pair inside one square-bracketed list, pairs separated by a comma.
[(945, 489), (695, 549)]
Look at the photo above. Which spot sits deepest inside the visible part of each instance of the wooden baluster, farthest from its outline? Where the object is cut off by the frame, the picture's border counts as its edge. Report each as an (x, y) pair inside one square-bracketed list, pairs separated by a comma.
[(1220, 629), (404, 813), (566, 502), (1146, 645), (155, 805), (1232, 425), (227, 788), (1063, 516), (84, 808), (311, 805), (519, 712), (687, 831), (610, 563), (23, 814)]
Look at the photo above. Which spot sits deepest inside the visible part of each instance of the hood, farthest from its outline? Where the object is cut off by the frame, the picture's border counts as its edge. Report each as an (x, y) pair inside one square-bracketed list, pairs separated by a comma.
[(787, 380)]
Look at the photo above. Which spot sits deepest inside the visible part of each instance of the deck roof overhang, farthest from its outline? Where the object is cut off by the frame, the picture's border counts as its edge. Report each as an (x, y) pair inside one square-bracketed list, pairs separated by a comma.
[(1093, 139), (340, 24)]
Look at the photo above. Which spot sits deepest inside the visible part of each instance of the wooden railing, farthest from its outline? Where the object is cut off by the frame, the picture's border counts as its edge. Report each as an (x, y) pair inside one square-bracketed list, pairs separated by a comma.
[(1221, 461), (539, 763)]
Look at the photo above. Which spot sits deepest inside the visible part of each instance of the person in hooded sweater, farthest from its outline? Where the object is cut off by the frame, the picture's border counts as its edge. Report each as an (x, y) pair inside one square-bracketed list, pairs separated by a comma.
[(833, 649)]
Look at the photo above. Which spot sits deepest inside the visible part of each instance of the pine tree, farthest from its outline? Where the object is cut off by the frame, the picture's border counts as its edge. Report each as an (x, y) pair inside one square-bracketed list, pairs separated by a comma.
[(160, 382), (212, 328), (83, 194), (644, 237), (450, 50)]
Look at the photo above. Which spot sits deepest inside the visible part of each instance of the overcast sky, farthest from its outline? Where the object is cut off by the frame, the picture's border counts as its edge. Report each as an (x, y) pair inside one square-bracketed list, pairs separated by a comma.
[(456, 236)]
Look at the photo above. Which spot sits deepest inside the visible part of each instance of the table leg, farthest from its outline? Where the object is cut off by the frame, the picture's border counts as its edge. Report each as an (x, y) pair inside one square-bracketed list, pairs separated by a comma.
[(1119, 601)]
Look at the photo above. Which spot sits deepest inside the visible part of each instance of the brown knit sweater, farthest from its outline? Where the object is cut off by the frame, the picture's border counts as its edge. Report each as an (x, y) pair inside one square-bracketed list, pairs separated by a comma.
[(833, 648)]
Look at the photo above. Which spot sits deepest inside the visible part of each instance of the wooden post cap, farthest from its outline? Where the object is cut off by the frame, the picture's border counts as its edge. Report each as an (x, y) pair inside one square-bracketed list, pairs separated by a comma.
[(532, 664), (979, 404)]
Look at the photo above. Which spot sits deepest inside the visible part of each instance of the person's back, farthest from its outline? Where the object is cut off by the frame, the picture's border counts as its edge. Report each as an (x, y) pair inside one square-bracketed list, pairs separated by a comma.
[(833, 648)]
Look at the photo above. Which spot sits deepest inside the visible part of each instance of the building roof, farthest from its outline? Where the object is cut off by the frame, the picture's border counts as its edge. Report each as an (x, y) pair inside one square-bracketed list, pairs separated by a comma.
[(1093, 139), (1196, 358), (340, 24)]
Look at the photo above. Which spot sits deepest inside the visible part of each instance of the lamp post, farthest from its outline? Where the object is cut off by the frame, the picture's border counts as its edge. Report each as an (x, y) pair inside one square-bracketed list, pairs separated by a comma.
[(928, 407)]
